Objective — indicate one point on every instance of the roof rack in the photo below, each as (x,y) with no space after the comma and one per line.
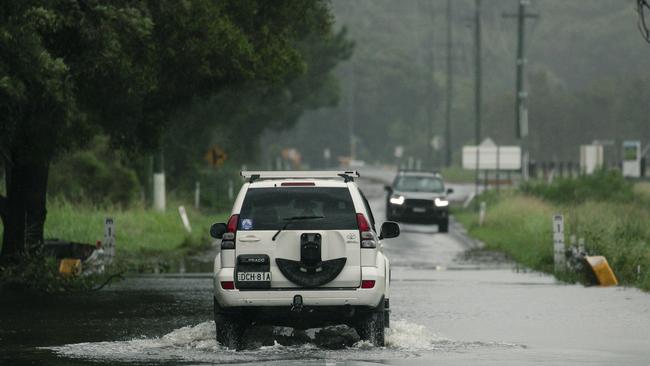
(348,176)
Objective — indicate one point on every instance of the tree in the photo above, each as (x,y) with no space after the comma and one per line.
(237,116)
(51,90)
(71,69)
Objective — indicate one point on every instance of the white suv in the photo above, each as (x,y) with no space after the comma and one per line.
(301,250)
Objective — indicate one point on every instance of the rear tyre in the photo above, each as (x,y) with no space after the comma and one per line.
(230,332)
(443,226)
(371,328)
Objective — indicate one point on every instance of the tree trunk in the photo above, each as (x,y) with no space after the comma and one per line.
(25,207)
(35,203)
(13,239)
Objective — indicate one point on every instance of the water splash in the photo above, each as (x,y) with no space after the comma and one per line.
(197,344)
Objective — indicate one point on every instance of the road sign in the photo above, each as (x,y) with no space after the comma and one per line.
(632,159)
(215,156)
(491,156)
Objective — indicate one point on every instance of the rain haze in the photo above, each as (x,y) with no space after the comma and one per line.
(325,182)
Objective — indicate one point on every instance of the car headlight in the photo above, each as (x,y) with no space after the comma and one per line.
(396,199)
(440,202)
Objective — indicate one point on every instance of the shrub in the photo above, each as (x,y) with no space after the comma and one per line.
(96,176)
(603,185)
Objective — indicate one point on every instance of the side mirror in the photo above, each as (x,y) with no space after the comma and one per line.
(450,190)
(389,229)
(217,230)
(388,188)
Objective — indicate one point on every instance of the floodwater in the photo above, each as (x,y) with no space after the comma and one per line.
(448,307)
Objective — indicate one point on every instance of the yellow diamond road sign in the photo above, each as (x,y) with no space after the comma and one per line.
(215,156)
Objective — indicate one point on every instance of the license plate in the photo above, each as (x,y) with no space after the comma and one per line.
(254,276)
(419,209)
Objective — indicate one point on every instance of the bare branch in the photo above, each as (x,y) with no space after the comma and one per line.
(641,7)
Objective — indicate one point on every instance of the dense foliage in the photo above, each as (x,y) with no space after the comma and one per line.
(70,70)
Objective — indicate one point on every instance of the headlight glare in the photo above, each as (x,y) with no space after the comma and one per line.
(397,199)
(441,202)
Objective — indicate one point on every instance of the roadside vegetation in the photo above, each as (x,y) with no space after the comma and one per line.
(144,238)
(610,213)
(146,241)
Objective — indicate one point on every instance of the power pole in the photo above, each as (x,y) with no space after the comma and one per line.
(430,94)
(449,85)
(351,113)
(521,105)
(477,88)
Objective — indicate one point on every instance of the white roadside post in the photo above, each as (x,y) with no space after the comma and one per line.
(159,192)
(558,243)
(184,218)
(109,240)
(481,214)
(197,195)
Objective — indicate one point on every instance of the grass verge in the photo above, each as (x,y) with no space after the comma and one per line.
(145,239)
(520,225)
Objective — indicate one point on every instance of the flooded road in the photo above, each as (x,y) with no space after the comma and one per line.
(447,308)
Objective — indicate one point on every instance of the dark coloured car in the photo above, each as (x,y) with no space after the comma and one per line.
(418,197)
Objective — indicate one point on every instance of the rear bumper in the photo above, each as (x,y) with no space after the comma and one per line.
(406,212)
(308,316)
(283,297)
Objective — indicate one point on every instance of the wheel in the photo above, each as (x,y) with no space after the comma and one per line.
(229,331)
(371,328)
(443,226)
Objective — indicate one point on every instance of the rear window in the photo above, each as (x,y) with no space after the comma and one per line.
(269,209)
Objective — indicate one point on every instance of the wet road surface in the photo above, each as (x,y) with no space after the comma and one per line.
(447,308)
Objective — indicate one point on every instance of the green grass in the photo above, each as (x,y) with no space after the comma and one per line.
(520,225)
(137,229)
(142,235)
(457,174)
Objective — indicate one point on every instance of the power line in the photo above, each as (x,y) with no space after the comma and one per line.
(477,87)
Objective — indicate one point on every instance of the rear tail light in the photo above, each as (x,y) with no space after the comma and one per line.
(228,240)
(367,237)
(230,285)
(366,283)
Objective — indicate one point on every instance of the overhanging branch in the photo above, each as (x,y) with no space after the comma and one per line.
(642,8)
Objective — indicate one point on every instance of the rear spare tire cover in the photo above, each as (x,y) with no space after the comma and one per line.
(315,276)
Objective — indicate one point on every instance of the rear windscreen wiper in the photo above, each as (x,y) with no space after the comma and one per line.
(292,219)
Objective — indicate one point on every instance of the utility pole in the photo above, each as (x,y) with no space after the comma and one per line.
(477,88)
(449,85)
(430,94)
(521,105)
(351,113)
